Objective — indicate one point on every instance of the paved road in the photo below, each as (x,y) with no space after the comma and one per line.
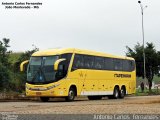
(129,105)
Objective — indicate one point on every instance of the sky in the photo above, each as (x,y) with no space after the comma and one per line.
(100,25)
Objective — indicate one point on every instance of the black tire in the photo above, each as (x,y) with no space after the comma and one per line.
(122,92)
(44,99)
(116,93)
(94,97)
(71,95)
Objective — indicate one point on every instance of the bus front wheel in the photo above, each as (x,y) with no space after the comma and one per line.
(44,99)
(71,95)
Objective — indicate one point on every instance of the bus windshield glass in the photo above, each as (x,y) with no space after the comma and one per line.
(41,69)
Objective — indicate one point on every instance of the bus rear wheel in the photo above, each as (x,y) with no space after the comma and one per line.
(44,99)
(94,97)
(122,92)
(116,93)
(71,95)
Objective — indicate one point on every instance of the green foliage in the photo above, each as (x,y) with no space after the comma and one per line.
(156,79)
(13,57)
(24,56)
(11,79)
(152,58)
(4,64)
(146,92)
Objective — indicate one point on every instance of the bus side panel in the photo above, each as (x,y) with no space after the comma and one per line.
(106,81)
(91,83)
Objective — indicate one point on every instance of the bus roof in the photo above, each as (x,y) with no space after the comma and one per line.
(59,51)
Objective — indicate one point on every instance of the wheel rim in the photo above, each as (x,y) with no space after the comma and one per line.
(116,94)
(71,94)
(122,92)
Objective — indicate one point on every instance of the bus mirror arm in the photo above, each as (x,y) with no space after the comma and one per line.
(56,64)
(22,65)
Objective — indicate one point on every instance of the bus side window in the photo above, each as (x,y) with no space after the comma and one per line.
(88,61)
(109,64)
(99,63)
(131,65)
(118,64)
(128,65)
(78,62)
(67,56)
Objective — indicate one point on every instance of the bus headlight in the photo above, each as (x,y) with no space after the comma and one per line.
(53,86)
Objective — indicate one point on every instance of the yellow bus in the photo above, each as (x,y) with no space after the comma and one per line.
(74,72)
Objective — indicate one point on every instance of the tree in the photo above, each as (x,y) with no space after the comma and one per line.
(152,58)
(4,64)
(10,76)
(21,76)
(24,56)
(158,71)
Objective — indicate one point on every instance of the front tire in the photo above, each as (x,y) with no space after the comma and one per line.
(71,95)
(44,99)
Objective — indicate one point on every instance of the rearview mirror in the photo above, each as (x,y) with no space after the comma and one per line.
(56,64)
(22,65)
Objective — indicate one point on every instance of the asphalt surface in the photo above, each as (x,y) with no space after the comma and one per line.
(82,108)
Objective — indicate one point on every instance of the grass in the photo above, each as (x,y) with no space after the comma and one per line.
(147,92)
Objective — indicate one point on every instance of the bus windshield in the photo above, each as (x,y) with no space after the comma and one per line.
(41,69)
